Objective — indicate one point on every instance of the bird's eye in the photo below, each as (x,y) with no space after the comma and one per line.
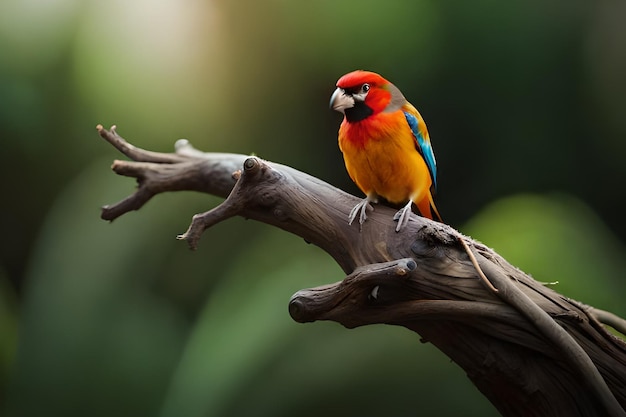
(365,88)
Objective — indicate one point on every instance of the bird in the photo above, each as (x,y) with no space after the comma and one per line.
(386,147)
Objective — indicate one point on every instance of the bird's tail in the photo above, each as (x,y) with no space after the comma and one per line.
(434,211)
(428,209)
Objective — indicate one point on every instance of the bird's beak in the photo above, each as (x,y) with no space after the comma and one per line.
(341,101)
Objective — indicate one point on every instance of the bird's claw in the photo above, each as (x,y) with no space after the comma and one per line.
(360,210)
(402,216)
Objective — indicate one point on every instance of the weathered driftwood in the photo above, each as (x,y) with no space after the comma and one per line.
(528,349)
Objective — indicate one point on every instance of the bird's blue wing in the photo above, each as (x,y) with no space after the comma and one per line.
(423,146)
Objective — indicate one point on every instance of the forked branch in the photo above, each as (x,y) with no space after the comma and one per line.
(530,350)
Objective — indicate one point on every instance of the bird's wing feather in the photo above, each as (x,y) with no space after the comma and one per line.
(423,145)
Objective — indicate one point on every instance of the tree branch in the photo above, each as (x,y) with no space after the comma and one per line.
(609,319)
(530,350)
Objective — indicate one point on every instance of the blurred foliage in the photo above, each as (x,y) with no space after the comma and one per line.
(524,102)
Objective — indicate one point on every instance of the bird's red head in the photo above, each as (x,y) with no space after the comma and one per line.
(359,77)
(361,94)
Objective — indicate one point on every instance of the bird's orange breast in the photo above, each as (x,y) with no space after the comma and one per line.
(381,158)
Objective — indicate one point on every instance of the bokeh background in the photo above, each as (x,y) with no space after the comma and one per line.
(526,105)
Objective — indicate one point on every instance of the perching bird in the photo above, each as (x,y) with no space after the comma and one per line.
(385,146)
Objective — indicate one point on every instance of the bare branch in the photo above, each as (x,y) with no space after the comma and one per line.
(556,334)
(157,173)
(133,152)
(528,349)
(609,319)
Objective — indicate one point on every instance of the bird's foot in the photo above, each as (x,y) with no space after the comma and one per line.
(402,216)
(360,210)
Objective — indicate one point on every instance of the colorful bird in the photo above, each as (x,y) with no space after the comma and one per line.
(385,146)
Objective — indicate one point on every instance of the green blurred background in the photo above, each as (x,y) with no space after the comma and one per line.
(525,102)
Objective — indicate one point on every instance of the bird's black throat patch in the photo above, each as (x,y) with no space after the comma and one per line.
(359,112)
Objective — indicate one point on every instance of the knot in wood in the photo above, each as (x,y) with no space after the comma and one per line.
(267,198)
(406,267)
(298,310)
(422,248)
(280,214)
(256,171)
(251,164)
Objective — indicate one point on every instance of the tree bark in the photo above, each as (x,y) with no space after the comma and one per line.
(528,349)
